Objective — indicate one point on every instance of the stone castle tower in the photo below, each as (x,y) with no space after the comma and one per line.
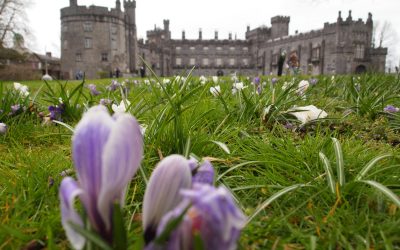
(98,41)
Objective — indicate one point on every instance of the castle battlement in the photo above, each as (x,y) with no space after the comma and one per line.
(91,11)
(280,19)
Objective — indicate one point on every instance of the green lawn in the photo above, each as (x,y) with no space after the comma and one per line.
(269,150)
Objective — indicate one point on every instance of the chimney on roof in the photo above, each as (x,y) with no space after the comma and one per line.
(48,54)
(216,35)
(183,35)
(200,34)
(230,36)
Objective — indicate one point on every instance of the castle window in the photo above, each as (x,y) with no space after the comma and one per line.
(65,44)
(360,51)
(232,48)
(178,61)
(178,48)
(192,61)
(205,61)
(219,48)
(245,61)
(78,57)
(113,43)
(246,48)
(104,57)
(87,26)
(232,62)
(218,62)
(114,29)
(88,43)
(315,53)
(205,48)
(192,48)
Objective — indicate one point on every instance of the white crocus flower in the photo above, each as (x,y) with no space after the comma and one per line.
(203,80)
(215,91)
(166,81)
(286,85)
(302,87)
(215,79)
(3,128)
(22,89)
(307,113)
(121,108)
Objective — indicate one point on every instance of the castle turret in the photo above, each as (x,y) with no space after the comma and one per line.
(340,19)
(280,26)
(349,18)
(73,3)
(216,35)
(118,5)
(183,35)
(130,12)
(369,20)
(200,34)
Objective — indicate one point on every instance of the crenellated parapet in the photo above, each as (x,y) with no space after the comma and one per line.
(91,11)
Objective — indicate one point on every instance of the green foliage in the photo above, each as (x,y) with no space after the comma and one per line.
(299,187)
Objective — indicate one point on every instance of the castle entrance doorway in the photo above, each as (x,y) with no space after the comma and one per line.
(360,69)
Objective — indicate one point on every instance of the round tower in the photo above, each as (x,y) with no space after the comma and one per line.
(130,15)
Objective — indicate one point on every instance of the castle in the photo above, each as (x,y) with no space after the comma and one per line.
(99,41)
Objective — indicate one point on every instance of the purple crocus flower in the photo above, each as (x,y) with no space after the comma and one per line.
(163,191)
(256,80)
(201,172)
(113,85)
(391,109)
(56,112)
(107,152)
(105,102)
(15,108)
(274,81)
(213,216)
(313,81)
(259,89)
(93,90)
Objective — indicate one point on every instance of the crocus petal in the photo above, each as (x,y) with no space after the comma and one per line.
(88,142)
(163,191)
(203,174)
(68,191)
(121,158)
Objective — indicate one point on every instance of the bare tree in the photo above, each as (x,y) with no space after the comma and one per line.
(384,35)
(12,20)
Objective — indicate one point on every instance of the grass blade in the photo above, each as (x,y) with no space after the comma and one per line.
(223,146)
(386,191)
(272,199)
(339,161)
(370,164)
(328,171)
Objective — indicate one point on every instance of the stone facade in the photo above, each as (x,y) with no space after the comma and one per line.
(338,48)
(98,41)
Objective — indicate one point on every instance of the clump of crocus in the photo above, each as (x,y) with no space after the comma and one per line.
(391,109)
(21,89)
(113,85)
(93,89)
(215,91)
(3,128)
(56,112)
(203,80)
(212,216)
(274,80)
(180,187)
(107,152)
(215,79)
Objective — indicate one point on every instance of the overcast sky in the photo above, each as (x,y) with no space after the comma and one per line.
(222,15)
